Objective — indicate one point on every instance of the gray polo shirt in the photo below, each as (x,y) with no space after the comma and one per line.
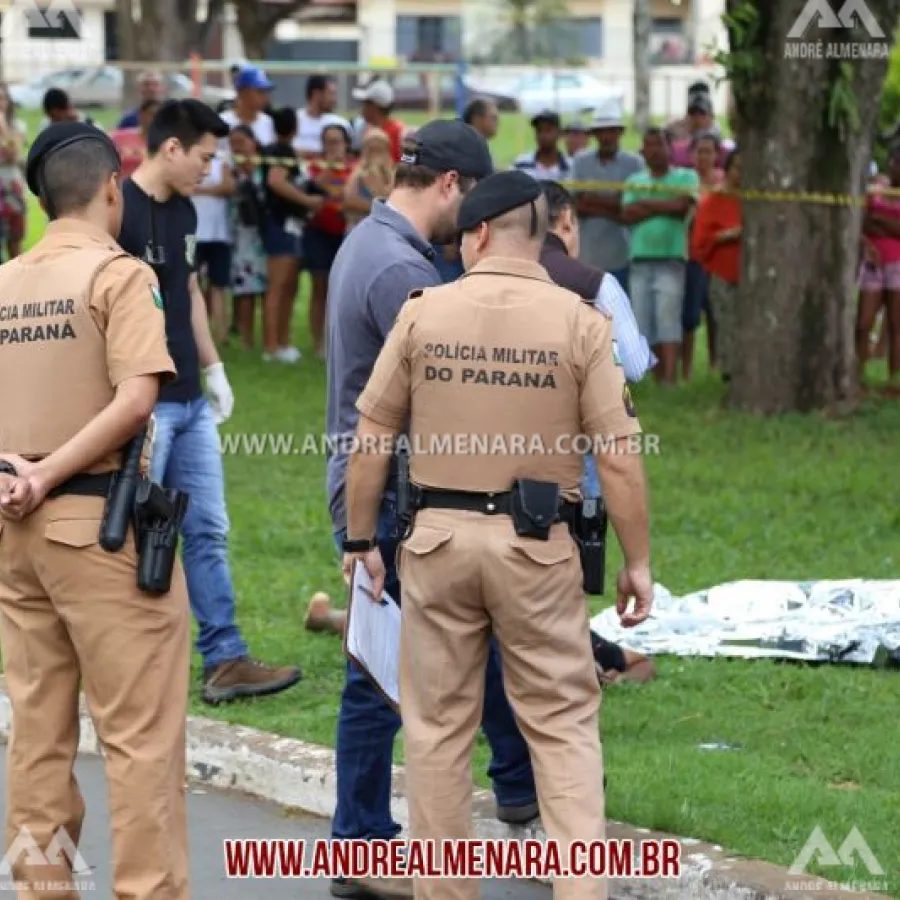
(604,243)
(380,262)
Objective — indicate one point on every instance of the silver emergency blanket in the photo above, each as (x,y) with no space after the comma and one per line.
(818,621)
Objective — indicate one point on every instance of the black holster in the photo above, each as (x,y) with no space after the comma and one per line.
(589,532)
(535,507)
(158,515)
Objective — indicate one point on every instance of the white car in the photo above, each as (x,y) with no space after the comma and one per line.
(568,93)
(102,86)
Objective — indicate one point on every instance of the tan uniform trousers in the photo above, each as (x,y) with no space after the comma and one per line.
(70,613)
(464,574)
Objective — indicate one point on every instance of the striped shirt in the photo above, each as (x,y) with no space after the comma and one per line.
(561,171)
(634,351)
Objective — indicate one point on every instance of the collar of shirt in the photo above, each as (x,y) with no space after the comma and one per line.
(553,243)
(73,232)
(385,214)
(505,265)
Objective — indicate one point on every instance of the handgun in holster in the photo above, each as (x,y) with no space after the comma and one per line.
(589,533)
(158,515)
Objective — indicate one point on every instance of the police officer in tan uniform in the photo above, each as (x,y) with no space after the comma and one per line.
(82,355)
(501,357)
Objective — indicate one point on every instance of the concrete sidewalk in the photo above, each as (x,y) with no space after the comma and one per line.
(301,776)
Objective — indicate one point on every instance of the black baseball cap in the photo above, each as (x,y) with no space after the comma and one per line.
(547,115)
(448,145)
(55,137)
(498,194)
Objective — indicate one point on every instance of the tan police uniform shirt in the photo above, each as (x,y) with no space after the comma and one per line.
(78,316)
(499,373)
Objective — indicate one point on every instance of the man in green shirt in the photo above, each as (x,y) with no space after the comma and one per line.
(659,224)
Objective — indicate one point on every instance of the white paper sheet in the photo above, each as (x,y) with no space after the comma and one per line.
(373,634)
(852,621)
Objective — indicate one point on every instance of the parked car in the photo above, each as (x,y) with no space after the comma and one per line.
(103,86)
(411,92)
(569,93)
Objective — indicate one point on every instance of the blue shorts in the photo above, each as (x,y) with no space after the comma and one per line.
(215,258)
(657,295)
(279,242)
(696,296)
(319,249)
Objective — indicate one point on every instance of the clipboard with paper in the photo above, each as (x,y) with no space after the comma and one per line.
(372,637)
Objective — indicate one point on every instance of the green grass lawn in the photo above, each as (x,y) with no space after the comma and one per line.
(732,498)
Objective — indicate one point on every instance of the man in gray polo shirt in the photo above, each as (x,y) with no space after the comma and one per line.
(388,255)
(604,239)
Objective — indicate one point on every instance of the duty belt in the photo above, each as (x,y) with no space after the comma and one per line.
(498,504)
(85,486)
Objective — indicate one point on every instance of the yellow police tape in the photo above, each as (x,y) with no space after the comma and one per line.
(749,194)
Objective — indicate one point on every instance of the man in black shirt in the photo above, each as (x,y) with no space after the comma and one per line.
(160,226)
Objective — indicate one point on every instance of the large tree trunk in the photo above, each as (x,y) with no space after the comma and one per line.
(643,19)
(797,302)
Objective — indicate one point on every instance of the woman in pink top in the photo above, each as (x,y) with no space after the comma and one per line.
(880,272)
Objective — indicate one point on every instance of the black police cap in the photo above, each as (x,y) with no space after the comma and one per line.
(448,145)
(498,194)
(54,138)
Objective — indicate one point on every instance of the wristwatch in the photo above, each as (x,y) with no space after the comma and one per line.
(359,546)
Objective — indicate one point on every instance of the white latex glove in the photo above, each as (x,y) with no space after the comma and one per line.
(219,393)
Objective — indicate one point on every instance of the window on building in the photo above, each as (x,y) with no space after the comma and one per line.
(575,38)
(111,35)
(429,37)
(670,43)
(50,23)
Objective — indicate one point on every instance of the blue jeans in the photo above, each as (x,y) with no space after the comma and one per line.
(367,727)
(186,457)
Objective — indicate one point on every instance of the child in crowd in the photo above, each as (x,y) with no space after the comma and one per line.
(325,229)
(372,178)
(248,212)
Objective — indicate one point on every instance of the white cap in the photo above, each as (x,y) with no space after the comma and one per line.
(379,92)
(608,113)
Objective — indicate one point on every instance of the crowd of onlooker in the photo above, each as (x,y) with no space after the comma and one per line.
(290,183)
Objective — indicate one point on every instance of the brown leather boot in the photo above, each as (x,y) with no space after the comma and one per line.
(247,678)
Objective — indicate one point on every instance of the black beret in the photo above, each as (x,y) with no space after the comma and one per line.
(55,137)
(497,194)
(448,145)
